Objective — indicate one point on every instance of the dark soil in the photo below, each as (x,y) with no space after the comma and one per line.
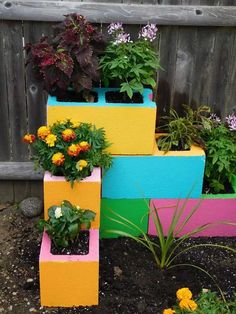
(80,246)
(129,280)
(117,97)
(72,96)
(208,190)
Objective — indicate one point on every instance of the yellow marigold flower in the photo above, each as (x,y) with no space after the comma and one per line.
(84,146)
(75,123)
(168,311)
(43,132)
(81,164)
(29,138)
(58,159)
(73,150)
(188,305)
(68,135)
(50,140)
(184,293)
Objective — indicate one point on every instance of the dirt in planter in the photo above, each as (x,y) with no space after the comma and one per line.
(207,189)
(117,97)
(79,247)
(72,96)
(130,282)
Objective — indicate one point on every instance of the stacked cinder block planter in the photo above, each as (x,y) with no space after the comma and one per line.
(142,178)
(69,280)
(86,193)
(129,127)
(213,209)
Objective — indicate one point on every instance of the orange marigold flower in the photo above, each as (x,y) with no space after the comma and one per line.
(68,135)
(84,146)
(73,150)
(184,293)
(43,132)
(29,138)
(188,305)
(168,311)
(58,159)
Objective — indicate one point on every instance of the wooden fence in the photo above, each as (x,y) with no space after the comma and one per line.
(196,44)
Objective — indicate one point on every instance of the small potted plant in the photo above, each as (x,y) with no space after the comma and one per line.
(71,151)
(69,257)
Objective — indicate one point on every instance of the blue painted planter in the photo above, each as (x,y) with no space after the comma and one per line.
(170,175)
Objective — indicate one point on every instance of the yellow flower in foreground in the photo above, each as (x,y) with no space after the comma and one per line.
(84,146)
(184,293)
(50,140)
(58,159)
(75,124)
(188,305)
(81,164)
(29,138)
(168,311)
(43,132)
(68,135)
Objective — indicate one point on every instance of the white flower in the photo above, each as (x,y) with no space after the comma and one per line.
(58,212)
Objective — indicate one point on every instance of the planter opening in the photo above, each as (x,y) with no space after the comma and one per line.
(72,96)
(117,97)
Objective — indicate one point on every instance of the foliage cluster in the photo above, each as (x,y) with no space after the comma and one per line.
(220,157)
(70,149)
(71,59)
(133,64)
(182,132)
(65,222)
(206,303)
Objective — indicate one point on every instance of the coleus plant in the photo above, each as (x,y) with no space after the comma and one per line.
(71,58)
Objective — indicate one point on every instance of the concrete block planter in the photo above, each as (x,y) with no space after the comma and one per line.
(69,280)
(129,127)
(86,193)
(170,175)
(134,210)
(213,208)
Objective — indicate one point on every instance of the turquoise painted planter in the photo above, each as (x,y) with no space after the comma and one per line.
(160,175)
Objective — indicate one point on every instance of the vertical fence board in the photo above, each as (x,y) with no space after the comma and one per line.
(14,62)
(5,149)
(36,97)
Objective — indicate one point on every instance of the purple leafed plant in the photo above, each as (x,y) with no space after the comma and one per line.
(71,58)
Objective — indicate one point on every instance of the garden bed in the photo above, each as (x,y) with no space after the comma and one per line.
(129,280)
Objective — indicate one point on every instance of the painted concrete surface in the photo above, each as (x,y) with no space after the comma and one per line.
(86,193)
(69,280)
(130,128)
(209,211)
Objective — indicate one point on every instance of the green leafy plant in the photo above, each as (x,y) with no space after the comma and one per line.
(166,249)
(206,303)
(71,58)
(220,158)
(65,222)
(69,148)
(132,64)
(182,132)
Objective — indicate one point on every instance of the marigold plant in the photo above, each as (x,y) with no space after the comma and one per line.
(70,149)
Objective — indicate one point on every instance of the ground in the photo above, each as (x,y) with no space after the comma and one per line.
(129,280)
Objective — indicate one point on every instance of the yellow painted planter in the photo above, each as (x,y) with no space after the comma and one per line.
(129,128)
(69,280)
(86,193)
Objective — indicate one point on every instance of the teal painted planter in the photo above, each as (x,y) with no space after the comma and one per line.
(170,175)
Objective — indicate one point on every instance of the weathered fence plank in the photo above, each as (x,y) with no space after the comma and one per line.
(19,171)
(127,13)
(14,76)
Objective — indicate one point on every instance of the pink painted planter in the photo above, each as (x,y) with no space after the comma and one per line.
(209,211)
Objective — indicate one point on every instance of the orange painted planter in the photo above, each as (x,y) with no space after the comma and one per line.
(69,280)
(86,193)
